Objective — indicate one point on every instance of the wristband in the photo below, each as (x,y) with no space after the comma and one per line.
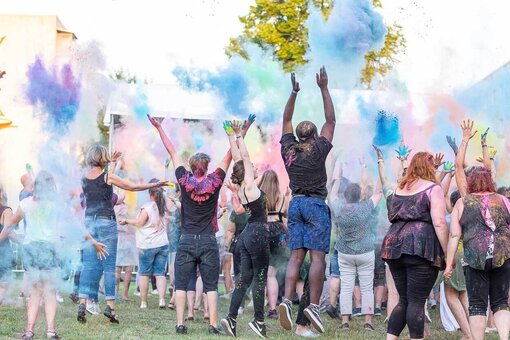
(380,161)
(484,145)
(294,91)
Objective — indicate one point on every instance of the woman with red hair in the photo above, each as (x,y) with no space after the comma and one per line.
(481,217)
(415,243)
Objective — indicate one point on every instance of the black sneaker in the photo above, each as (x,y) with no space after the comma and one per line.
(181,329)
(109,312)
(285,314)
(214,330)
(82,313)
(272,314)
(74,297)
(258,328)
(312,314)
(332,312)
(377,311)
(229,326)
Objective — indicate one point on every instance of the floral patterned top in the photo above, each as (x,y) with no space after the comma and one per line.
(411,231)
(485,224)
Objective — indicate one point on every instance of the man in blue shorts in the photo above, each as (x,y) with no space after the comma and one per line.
(309,222)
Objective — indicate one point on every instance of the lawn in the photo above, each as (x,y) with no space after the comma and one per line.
(153,323)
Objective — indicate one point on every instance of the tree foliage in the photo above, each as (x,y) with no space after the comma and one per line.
(278,26)
(381,62)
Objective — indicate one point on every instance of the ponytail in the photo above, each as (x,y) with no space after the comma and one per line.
(159,197)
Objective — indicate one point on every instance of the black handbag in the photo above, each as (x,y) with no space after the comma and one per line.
(232,246)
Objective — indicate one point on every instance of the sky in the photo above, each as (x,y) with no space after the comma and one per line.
(450,44)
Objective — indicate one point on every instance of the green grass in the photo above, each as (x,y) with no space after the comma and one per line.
(153,323)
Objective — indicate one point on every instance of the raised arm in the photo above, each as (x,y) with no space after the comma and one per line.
(364,174)
(249,175)
(446,187)
(376,197)
(403,152)
(328,129)
(467,134)
(139,222)
(130,186)
(382,171)
(238,207)
(174,155)
(234,149)
(225,163)
(485,150)
(289,107)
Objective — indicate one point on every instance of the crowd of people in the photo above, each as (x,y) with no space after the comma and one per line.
(278,242)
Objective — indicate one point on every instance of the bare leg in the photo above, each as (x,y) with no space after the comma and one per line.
(50,306)
(392,292)
(292,275)
(118,271)
(334,290)
(379,294)
(33,305)
(206,305)
(477,325)
(227,273)
(300,285)
(502,321)
(272,287)
(161,286)
(190,296)
(458,311)
(144,286)
(127,281)
(212,303)
(199,290)
(180,304)
(316,275)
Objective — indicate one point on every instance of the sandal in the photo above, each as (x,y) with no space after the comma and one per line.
(52,335)
(190,318)
(109,312)
(27,335)
(171,306)
(345,326)
(82,313)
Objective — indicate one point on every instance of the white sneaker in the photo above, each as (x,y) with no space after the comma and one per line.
(93,308)
(240,311)
(136,293)
(427,316)
(155,292)
(162,304)
(143,305)
(59,297)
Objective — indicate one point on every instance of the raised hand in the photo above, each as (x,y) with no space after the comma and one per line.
(231,186)
(167,163)
(154,122)
(449,167)
(249,122)
(483,137)
(236,126)
(378,152)
(403,151)
(322,78)
(116,155)
(438,160)
(227,126)
(295,85)
(467,130)
(492,152)
(453,144)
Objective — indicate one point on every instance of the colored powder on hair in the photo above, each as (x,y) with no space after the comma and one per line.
(57,91)
(386,129)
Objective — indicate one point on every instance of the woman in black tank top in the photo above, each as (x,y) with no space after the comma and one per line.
(253,241)
(97,185)
(277,206)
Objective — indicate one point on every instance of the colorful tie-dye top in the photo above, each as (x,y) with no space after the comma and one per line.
(485,224)
(411,231)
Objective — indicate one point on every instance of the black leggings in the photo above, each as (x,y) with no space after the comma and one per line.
(254,248)
(414,278)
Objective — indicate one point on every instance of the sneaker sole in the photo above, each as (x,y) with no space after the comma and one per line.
(284,317)
(317,324)
(253,328)
(226,328)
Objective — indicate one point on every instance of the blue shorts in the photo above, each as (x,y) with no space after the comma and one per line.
(153,261)
(309,224)
(334,268)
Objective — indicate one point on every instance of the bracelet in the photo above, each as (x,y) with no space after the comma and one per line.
(294,91)
(380,161)
(484,145)
(237,137)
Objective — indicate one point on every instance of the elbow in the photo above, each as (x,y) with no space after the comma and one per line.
(439,222)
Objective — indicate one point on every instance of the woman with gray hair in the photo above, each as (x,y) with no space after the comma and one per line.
(97,185)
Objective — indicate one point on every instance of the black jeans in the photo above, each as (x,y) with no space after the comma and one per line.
(490,282)
(254,248)
(414,278)
(201,251)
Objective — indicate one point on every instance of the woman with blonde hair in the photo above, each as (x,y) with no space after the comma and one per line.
(100,221)
(277,207)
(415,243)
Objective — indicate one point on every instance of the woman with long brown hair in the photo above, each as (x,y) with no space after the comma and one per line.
(482,218)
(277,207)
(415,243)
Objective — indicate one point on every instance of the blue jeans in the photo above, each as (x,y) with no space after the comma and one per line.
(104,231)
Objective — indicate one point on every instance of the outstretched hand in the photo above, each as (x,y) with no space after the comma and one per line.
(236,126)
(295,85)
(116,155)
(248,123)
(438,160)
(227,126)
(154,122)
(100,248)
(449,167)
(453,144)
(403,151)
(467,130)
(322,78)
(231,186)
(378,152)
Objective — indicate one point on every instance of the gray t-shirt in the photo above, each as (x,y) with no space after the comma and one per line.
(356,226)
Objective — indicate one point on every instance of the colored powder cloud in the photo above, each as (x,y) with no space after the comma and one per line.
(56,90)
(387,130)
